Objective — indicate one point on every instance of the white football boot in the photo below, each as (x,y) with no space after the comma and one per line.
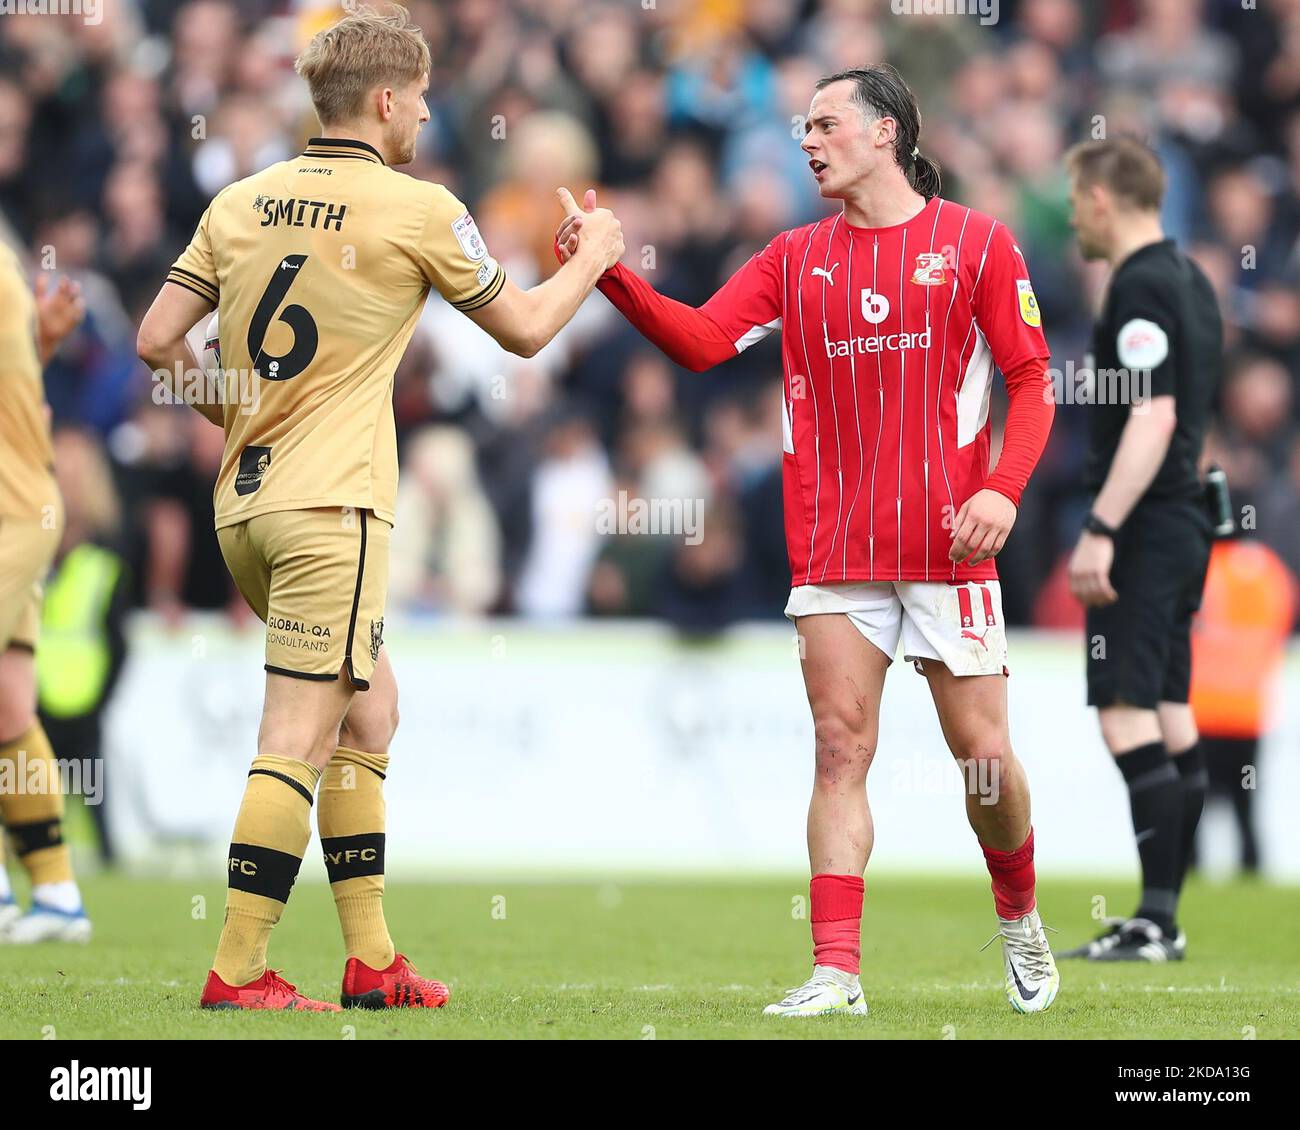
(45,924)
(828,990)
(9,914)
(1032,979)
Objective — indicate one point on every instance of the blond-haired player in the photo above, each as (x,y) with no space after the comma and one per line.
(31,514)
(320,266)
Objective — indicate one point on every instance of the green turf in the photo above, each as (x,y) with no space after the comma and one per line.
(665,960)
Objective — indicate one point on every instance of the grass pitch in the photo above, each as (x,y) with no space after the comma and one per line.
(667,960)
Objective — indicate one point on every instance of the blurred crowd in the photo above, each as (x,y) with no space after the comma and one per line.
(684,115)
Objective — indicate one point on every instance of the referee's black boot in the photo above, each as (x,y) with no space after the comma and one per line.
(1140,939)
(1101,943)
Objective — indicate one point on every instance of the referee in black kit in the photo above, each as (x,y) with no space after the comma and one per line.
(1141,559)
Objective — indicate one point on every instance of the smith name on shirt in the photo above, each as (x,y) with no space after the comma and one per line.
(292,213)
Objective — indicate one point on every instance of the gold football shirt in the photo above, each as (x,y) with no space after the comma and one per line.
(26,478)
(320,267)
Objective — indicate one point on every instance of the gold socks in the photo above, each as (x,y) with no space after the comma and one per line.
(351,823)
(31,804)
(271,834)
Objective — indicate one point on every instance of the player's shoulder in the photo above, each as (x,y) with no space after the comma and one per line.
(973,227)
(802,232)
(429,202)
(437,198)
(794,241)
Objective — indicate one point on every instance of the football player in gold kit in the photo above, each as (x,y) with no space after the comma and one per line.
(31,514)
(319,267)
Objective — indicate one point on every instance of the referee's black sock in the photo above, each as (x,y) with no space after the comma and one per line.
(1195,781)
(1155,794)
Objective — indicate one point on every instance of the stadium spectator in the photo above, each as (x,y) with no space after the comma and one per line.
(1252,439)
(568,487)
(448,559)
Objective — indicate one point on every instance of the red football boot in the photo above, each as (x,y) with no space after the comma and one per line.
(398,986)
(269,991)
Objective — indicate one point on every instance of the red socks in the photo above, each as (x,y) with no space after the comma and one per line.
(837,904)
(837,920)
(1013,878)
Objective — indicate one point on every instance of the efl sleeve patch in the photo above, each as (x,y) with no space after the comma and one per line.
(1029,313)
(1141,344)
(467,235)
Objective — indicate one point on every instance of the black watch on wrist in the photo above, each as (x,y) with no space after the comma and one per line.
(1095,525)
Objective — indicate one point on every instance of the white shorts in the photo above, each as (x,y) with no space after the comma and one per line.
(958,624)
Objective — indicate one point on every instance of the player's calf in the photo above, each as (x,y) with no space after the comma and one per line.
(271,834)
(351,820)
(973,714)
(840,832)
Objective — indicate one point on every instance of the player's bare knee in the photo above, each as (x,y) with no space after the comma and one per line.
(980,746)
(301,746)
(370,725)
(15,720)
(296,738)
(369,735)
(844,747)
(17,693)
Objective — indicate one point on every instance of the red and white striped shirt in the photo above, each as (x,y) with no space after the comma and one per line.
(890,338)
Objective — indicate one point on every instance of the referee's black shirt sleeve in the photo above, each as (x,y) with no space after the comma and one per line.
(1145,321)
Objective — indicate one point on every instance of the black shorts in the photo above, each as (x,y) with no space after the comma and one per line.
(1140,648)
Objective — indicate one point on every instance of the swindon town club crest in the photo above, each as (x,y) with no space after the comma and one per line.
(929,269)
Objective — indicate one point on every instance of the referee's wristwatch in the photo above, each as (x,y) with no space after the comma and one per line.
(1095,525)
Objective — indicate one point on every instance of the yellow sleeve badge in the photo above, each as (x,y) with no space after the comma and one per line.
(1028,304)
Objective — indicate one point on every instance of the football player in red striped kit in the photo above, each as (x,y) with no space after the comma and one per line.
(894,312)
